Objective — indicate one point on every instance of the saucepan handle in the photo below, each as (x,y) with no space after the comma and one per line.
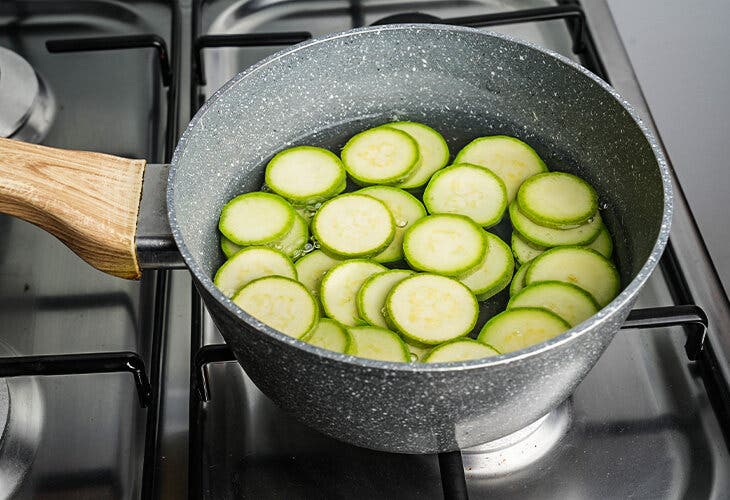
(90,201)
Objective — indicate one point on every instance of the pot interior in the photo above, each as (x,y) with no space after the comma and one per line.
(464,83)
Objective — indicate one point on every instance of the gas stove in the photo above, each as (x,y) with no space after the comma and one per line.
(118,389)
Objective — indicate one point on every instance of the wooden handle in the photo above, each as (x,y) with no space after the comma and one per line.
(90,201)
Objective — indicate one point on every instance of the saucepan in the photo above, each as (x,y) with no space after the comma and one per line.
(463,82)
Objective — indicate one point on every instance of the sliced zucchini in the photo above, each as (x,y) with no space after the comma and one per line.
(495,271)
(579,266)
(330,335)
(305,174)
(524,250)
(353,225)
(446,244)
(250,264)
(518,280)
(603,243)
(380,155)
(467,190)
(510,158)
(371,296)
(405,209)
(256,218)
(568,301)
(433,150)
(294,241)
(338,291)
(312,267)
(459,350)
(558,200)
(373,342)
(430,309)
(519,328)
(550,237)
(229,248)
(281,303)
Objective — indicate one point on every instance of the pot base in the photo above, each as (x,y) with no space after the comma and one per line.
(519,449)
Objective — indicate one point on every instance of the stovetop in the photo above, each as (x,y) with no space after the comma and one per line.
(647,422)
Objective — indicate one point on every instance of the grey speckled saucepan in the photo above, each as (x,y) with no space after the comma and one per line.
(465,83)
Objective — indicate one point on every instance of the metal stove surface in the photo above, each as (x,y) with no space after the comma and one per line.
(50,301)
(639,426)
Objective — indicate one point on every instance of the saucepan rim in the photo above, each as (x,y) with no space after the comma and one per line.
(603,316)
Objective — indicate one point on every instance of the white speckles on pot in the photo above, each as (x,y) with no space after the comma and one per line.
(466,83)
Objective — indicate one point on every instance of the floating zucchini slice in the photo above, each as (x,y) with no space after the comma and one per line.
(294,241)
(430,309)
(579,266)
(558,200)
(373,342)
(433,150)
(381,155)
(518,280)
(250,264)
(519,328)
(229,248)
(523,250)
(446,244)
(570,302)
(256,219)
(305,174)
(469,190)
(511,159)
(338,291)
(405,209)
(603,243)
(353,225)
(281,303)
(459,350)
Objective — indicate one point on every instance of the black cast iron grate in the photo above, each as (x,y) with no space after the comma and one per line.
(684,314)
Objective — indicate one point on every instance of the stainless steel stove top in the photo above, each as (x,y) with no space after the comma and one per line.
(641,425)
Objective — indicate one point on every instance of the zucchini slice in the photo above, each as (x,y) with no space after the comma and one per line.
(603,243)
(371,296)
(353,225)
(519,328)
(229,248)
(281,303)
(459,350)
(430,309)
(524,250)
(550,237)
(305,174)
(446,244)
(495,271)
(433,150)
(250,264)
(469,190)
(518,280)
(330,335)
(510,158)
(373,342)
(294,241)
(558,200)
(568,301)
(338,291)
(256,218)
(312,267)
(579,266)
(380,155)
(405,209)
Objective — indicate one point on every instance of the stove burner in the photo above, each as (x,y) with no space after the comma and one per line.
(21,418)
(519,449)
(408,17)
(26,104)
